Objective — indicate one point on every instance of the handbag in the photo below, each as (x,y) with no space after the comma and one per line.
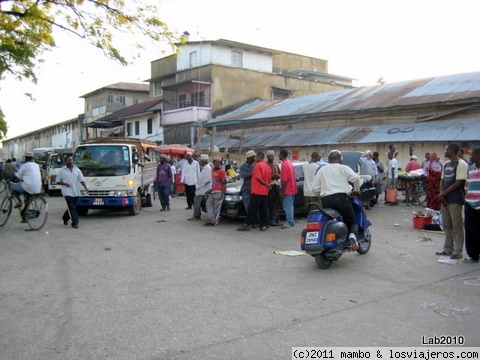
(392,195)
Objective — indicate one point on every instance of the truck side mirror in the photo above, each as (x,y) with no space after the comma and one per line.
(135,158)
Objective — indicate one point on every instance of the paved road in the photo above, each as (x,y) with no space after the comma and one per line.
(156,286)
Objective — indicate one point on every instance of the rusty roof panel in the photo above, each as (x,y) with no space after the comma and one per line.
(466,129)
(406,93)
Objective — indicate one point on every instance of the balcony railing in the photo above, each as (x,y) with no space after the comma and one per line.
(186,115)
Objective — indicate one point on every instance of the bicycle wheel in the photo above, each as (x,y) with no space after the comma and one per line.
(3,186)
(422,194)
(413,194)
(36,212)
(5,210)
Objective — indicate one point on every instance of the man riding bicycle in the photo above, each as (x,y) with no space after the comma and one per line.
(30,181)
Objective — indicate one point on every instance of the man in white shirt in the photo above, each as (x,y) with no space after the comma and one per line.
(204,183)
(69,177)
(332,183)
(309,171)
(368,165)
(190,175)
(392,175)
(31,179)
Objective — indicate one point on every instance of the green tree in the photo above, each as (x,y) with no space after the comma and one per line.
(3,125)
(26,29)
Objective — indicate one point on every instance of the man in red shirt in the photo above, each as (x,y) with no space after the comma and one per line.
(413,164)
(261,178)
(289,188)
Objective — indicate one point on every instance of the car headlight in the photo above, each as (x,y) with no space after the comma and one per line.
(233,197)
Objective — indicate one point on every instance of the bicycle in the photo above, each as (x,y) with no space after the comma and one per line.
(34,213)
(418,193)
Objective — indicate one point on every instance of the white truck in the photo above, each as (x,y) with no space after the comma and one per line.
(119,173)
(55,161)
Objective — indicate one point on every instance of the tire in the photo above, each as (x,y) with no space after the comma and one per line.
(422,194)
(364,246)
(37,212)
(137,205)
(322,261)
(149,202)
(81,210)
(3,186)
(5,210)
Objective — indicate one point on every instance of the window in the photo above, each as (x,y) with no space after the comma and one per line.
(279,94)
(157,88)
(137,127)
(193,59)
(129,129)
(116,99)
(198,99)
(182,101)
(237,59)
(149,126)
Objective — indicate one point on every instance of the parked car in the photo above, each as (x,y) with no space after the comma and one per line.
(233,204)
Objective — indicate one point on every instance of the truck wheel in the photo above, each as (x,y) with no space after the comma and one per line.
(322,261)
(82,211)
(149,200)
(364,245)
(137,205)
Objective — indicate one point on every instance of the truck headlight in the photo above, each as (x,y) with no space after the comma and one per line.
(121,193)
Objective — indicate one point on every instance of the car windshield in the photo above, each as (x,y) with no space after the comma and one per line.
(103,160)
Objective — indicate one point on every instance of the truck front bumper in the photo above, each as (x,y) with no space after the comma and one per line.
(105,202)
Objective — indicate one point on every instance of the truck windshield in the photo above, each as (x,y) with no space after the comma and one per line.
(57,161)
(103,160)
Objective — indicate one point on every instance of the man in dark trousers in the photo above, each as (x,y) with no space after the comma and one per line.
(452,198)
(332,182)
(472,209)
(69,177)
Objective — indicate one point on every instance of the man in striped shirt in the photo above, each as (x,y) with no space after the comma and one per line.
(472,209)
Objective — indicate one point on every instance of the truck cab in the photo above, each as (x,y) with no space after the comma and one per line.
(55,161)
(119,173)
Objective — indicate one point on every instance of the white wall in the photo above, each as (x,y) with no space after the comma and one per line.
(157,130)
(208,53)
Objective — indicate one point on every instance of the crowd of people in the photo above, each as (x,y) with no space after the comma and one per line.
(453,189)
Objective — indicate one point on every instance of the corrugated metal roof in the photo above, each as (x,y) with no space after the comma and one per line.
(466,129)
(122,86)
(114,118)
(406,93)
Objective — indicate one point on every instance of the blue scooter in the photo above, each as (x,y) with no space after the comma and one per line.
(325,236)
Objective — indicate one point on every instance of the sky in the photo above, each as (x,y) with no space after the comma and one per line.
(364,40)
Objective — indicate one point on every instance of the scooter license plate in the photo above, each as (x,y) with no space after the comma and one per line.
(312,237)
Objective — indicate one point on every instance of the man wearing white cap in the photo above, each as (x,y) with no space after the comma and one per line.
(274,193)
(31,180)
(368,165)
(204,183)
(246,171)
(413,164)
(190,174)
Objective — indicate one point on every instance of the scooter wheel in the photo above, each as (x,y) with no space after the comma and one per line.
(364,246)
(322,261)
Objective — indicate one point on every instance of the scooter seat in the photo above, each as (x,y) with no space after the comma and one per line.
(331,212)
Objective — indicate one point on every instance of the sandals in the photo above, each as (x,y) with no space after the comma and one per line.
(440,253)
(18,205)
(263,228)
(244,228)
